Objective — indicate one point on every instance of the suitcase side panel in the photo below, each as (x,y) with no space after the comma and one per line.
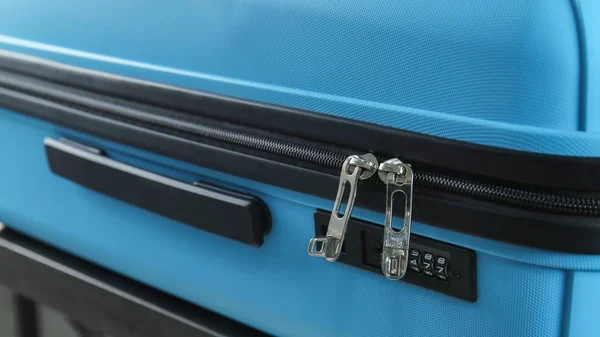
(397,67)
(584,304)
(589,12)
(519,298)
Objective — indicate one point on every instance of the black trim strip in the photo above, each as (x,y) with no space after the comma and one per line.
(27,317)
(576,173)
(103,300)
(576,234)
(563,233)
(238,216)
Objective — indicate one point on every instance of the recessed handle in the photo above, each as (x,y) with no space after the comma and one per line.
(232,214)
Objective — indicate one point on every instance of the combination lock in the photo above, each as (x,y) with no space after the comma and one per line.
(432,264)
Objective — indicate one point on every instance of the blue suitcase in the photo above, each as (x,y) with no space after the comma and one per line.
(193,150)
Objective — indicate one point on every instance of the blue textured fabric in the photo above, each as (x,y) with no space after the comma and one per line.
(277,288)
(502,73)
(590,10)
(584,307)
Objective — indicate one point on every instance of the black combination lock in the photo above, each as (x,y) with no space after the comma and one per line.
(432,264)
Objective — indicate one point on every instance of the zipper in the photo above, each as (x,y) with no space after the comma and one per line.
(398,177)
(520,198)
(329,157)
(332,157)
(355,168)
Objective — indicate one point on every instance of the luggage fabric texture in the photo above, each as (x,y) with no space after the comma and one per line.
(501,73)
(278,288)
(513,74)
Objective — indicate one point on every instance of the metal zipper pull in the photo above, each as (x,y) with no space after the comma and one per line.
(354,168)
(398,177)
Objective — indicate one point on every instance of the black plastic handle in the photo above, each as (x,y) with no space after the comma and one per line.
(235,215)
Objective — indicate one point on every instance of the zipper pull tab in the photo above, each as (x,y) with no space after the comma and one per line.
(354,168)
(398,177)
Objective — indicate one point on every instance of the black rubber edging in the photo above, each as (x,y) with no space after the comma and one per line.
(574,234)
(554,171)
(103,300)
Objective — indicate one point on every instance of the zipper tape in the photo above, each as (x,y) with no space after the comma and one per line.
(328,157)
(577,173)
(438,198)
(578,234)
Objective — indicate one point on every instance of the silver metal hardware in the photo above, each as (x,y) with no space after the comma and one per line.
(354,168)
(398,177)
(80,146)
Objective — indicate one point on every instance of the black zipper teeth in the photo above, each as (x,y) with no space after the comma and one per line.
(539,201)
(333,157)
(307,153)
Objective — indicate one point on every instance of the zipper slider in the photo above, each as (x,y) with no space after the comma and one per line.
(398,177)
(354,168)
